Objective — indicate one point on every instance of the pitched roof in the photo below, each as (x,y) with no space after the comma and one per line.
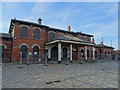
(70,38)
(40,25)
(5,35)
(103,46)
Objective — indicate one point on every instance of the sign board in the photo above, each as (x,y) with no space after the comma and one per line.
(39,59)
(35,53)
(30,53)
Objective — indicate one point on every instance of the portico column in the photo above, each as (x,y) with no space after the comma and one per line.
(71,52)
(49,53)
(93,53)
(59,52)
(85,52)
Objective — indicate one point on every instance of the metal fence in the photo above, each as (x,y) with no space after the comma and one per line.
(23,57)
(35,57)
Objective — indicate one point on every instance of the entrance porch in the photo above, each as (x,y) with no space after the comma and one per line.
(61,50)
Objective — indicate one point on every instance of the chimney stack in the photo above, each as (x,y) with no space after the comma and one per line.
(93,41)
(69,28)
(40,21)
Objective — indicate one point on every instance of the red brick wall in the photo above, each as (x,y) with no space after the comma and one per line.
(7,50)
(30,41)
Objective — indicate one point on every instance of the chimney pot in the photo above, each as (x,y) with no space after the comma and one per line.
(40,21)
(69,28)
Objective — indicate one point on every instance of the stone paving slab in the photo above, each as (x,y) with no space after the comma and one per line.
(74,75)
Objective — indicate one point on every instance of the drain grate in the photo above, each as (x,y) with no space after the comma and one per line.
(57,81)
(49,82)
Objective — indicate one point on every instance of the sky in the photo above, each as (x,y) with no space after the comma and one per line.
(97,18)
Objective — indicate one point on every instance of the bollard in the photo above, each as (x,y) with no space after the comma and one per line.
(20,60)
(27,58)
(66,61)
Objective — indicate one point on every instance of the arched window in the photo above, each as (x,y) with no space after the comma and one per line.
(108,52)
(82,53)
(87,39)
(2,51)
(88,53)
(23,50)
(35,52)
(54,52)
(105,53)
(36,33)
(23,32)
(52,36)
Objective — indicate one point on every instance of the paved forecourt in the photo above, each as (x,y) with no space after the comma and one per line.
(74,75)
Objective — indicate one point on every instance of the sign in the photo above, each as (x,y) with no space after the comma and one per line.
(35,53)
(30,53)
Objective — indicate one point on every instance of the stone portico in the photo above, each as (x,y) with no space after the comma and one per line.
(65,46)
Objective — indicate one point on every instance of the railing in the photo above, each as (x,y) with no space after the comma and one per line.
(35,57)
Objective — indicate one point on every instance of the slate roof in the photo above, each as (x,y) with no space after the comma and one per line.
(70,38)
(40,25)
(103,46)
(5,35)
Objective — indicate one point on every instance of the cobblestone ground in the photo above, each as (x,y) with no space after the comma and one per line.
(74,75)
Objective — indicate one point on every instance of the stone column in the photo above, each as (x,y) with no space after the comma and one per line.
(70,52)
(93,53)
(59,52)
(49,53)
(85,52)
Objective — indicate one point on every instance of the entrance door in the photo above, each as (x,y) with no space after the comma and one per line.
(54,53)
(64,52)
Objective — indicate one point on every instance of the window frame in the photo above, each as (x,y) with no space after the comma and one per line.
(24,32)
(36,33)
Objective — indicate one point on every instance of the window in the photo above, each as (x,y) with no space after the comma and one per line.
(82,37)
(36,33)
(23,51)
(52,36)
(82,53)
(87,39)
(35,52)
(23,32)
(2,51)
(105,53)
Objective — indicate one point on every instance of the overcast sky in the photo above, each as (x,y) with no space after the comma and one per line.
(97,18)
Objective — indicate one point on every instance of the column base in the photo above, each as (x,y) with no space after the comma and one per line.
(59,62)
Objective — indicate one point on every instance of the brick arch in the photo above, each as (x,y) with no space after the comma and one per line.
(35,45)
(23,44)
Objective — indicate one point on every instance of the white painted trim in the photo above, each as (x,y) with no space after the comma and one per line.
(4,45)
(51,31)
(37,28)
(24,26)
(68,42)
(23,44)
(35,45)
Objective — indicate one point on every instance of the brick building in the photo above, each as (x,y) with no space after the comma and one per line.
(28,40)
